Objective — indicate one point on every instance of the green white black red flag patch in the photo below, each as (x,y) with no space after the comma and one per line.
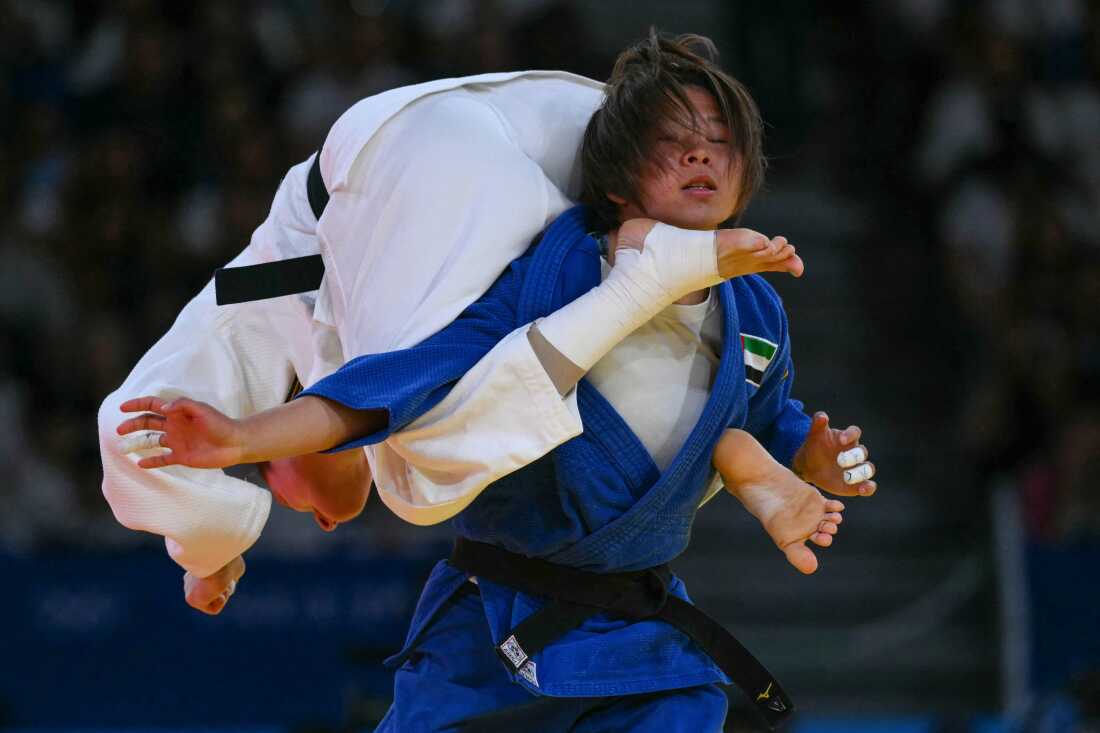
(758,355)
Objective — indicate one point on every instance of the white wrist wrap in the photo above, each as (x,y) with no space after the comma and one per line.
(673,263)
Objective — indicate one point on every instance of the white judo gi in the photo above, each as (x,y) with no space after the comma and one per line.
(434,189)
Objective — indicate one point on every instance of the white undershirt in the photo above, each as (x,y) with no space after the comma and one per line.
(659,377)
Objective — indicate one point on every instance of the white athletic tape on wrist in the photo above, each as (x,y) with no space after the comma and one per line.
(859,474)
(852,457)
(673,263)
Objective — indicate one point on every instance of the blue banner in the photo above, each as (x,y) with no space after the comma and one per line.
(109,641)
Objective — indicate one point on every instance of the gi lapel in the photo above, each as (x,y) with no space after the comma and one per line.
(631,542)
(672,497)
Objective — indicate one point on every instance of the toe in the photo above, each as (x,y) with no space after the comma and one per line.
(802,557)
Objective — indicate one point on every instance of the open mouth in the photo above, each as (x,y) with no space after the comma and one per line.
(700,183)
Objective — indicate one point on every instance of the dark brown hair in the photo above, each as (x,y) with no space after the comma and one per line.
(648,88)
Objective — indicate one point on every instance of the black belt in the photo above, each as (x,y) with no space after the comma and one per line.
(576,595)
(282,277)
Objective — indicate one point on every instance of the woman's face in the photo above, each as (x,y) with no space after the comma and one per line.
(691,180)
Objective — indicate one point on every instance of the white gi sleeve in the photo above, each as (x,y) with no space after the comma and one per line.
(502,415)
(241,359)
(207,518)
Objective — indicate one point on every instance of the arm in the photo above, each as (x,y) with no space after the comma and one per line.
(570,341)
(201,436)
(447,435)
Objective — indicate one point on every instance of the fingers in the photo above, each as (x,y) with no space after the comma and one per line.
(852,457)
(851,435)
(147,441)
(144,441)
(833,518)
(147,421)
(834,506)
(143,404)
(165,459)
(859,474)
(867,488)
(820,422)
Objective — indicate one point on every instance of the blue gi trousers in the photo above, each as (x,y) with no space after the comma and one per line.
(455,682)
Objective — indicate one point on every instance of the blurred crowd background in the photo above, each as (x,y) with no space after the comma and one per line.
(141,143)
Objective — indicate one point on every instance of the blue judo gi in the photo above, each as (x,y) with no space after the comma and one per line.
(597,502)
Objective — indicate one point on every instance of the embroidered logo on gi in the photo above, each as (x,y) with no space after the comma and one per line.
(758,355)
(511,649)
(527,672)
(775,704)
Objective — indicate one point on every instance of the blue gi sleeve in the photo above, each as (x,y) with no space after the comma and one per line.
(775,419)
(407,383)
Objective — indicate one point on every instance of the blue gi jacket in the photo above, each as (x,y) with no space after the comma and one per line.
(598,501)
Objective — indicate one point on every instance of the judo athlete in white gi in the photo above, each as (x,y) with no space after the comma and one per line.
(433,190)
(607,509)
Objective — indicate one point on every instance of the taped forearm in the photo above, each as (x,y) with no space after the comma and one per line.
(673,263)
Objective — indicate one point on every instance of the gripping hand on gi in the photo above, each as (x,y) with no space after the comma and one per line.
(194,433)
(834,460)
(283,440)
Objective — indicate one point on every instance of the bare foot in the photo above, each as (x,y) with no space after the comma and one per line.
(790,510)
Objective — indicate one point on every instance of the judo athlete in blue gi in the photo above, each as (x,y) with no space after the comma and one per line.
(574,622)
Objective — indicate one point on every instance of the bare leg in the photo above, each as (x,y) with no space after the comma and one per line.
(790,510)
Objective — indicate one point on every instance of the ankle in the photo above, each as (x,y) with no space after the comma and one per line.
(743,462)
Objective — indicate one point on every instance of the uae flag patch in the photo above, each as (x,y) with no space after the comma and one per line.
(758,355)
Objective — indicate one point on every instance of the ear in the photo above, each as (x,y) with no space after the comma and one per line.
(616,199)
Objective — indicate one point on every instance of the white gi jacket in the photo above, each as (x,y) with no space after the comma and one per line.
(434,189)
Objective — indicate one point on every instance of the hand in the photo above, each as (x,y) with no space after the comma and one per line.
(210,594)
(746,252)
(740,251)
(196,434)
(829,454)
